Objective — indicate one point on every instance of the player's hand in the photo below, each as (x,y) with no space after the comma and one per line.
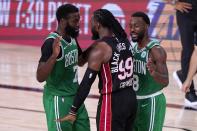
(183,7)
(56,46)
(68,117)
(186,85)
(151,66)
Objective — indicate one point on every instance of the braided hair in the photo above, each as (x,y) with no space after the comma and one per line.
(106,19)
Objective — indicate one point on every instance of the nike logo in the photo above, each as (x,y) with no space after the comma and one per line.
(90,75)
(144,105)
(62,99)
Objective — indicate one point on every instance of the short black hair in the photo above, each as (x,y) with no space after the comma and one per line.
(107,19)
(64,10)
(143,16)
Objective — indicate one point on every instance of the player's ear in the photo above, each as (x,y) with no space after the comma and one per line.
(98,26)
(147,26)
(63,22)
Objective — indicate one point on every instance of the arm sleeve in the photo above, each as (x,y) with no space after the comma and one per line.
(46,50)
(84,89)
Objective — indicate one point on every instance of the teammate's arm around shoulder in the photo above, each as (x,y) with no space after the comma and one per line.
(45,68)
(157,65)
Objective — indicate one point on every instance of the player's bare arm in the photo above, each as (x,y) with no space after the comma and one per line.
(157,65)
(83,57)
(98,55)
(45,68)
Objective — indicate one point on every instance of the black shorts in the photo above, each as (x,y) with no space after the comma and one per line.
(117,111)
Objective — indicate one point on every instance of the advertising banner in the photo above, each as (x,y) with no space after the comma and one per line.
(29,21)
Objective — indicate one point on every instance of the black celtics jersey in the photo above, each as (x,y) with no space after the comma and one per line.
(118,72)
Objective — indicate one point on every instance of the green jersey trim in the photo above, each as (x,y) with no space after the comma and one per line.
(149,96)
(62,57)
(150,45)
(55,35)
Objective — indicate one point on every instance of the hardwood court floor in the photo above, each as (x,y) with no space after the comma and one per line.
(21,97)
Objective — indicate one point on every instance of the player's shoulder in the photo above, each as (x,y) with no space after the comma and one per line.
(52,35)
(153,43)
(158,52)
(101,51)
(50,38)
(101,45)
(48,41)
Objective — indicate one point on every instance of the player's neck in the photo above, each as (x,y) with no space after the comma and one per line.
(144,42)
(64,35)
(105,32)
(62,32)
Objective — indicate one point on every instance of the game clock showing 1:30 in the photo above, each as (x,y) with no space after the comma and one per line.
(30,14)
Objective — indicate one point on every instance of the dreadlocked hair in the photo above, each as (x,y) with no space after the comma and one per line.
(106,19)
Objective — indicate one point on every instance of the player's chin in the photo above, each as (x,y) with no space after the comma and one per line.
(134,39)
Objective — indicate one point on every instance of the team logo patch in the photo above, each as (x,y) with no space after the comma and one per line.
(143,55)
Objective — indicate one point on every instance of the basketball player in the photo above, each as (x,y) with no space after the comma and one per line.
(58,67)
(110,59)
(150,75)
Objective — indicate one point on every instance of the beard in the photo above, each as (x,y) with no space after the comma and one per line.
(73,32)
(138,38)
(95,35)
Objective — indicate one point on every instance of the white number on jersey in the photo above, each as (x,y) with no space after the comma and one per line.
(76,74)
(125,68)
(135,83)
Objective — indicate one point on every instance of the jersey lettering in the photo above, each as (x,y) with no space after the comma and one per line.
(114,62)
(140,67)
(71,57)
